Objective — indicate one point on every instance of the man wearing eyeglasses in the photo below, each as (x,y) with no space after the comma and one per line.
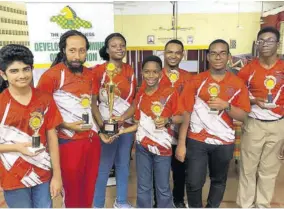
(263,134)
(213,99)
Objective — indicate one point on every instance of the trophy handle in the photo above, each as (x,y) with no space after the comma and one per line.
(111,98)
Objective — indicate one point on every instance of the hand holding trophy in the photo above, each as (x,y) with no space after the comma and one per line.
(110,126)
(213,90)
(35,124)
(270,83)
(173,76)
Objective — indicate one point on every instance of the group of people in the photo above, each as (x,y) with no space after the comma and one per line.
(177,122)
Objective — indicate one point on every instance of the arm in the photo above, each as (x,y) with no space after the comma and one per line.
(237,113)
(9,148)
(95,110)
(75,126)
(181,147)
(258,101)
(178,119)
(56,181)
(124,131)
(129,129)
(129,112)
(18,147)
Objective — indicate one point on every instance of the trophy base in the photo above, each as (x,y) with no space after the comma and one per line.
(110,128)
(213,112)
(269,105)
(85,117)
(36,150)
(86,125)
(35,141)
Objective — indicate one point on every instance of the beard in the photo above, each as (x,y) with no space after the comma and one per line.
(74,66)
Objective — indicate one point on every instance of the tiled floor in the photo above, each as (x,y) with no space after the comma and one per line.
(228,201)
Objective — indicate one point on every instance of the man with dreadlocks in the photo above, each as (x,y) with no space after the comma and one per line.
(72,88)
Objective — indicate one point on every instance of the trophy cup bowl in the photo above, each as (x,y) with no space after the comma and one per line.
(270,83)
(213,90)
(110,126)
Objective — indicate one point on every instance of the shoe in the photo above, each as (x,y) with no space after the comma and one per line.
(125,205)
(179,205)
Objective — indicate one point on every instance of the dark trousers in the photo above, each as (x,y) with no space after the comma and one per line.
(200,155)
(178,169)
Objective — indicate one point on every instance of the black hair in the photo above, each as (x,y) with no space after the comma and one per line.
(11,53)
(153,58)
(103,51)
(269,29)
(217,41)
(62,44)
(15,52)
(175,41)
(3,84)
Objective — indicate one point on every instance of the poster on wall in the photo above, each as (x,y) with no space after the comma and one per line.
(48,21)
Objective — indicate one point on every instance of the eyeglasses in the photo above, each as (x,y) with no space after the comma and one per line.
(269,42)
(221,54)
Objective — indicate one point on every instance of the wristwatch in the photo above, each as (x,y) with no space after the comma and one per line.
(228,109)
(170,121)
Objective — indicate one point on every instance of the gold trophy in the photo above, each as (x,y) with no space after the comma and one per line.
(110,127)
(157,109)
(35,123)
(173,76)
(270,83)
(213,90)
(86,104)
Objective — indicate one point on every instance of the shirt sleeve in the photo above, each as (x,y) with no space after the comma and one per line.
(172,107)
(244,74)
(96,85)
(133,86)
(53,116)
(187,97)
(242,100)
(136,101)
(47,84)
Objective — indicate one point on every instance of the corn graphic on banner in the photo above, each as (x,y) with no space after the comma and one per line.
(48,21)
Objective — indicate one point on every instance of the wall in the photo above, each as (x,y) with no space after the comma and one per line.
(209,22)
(203,27)
(16,27)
